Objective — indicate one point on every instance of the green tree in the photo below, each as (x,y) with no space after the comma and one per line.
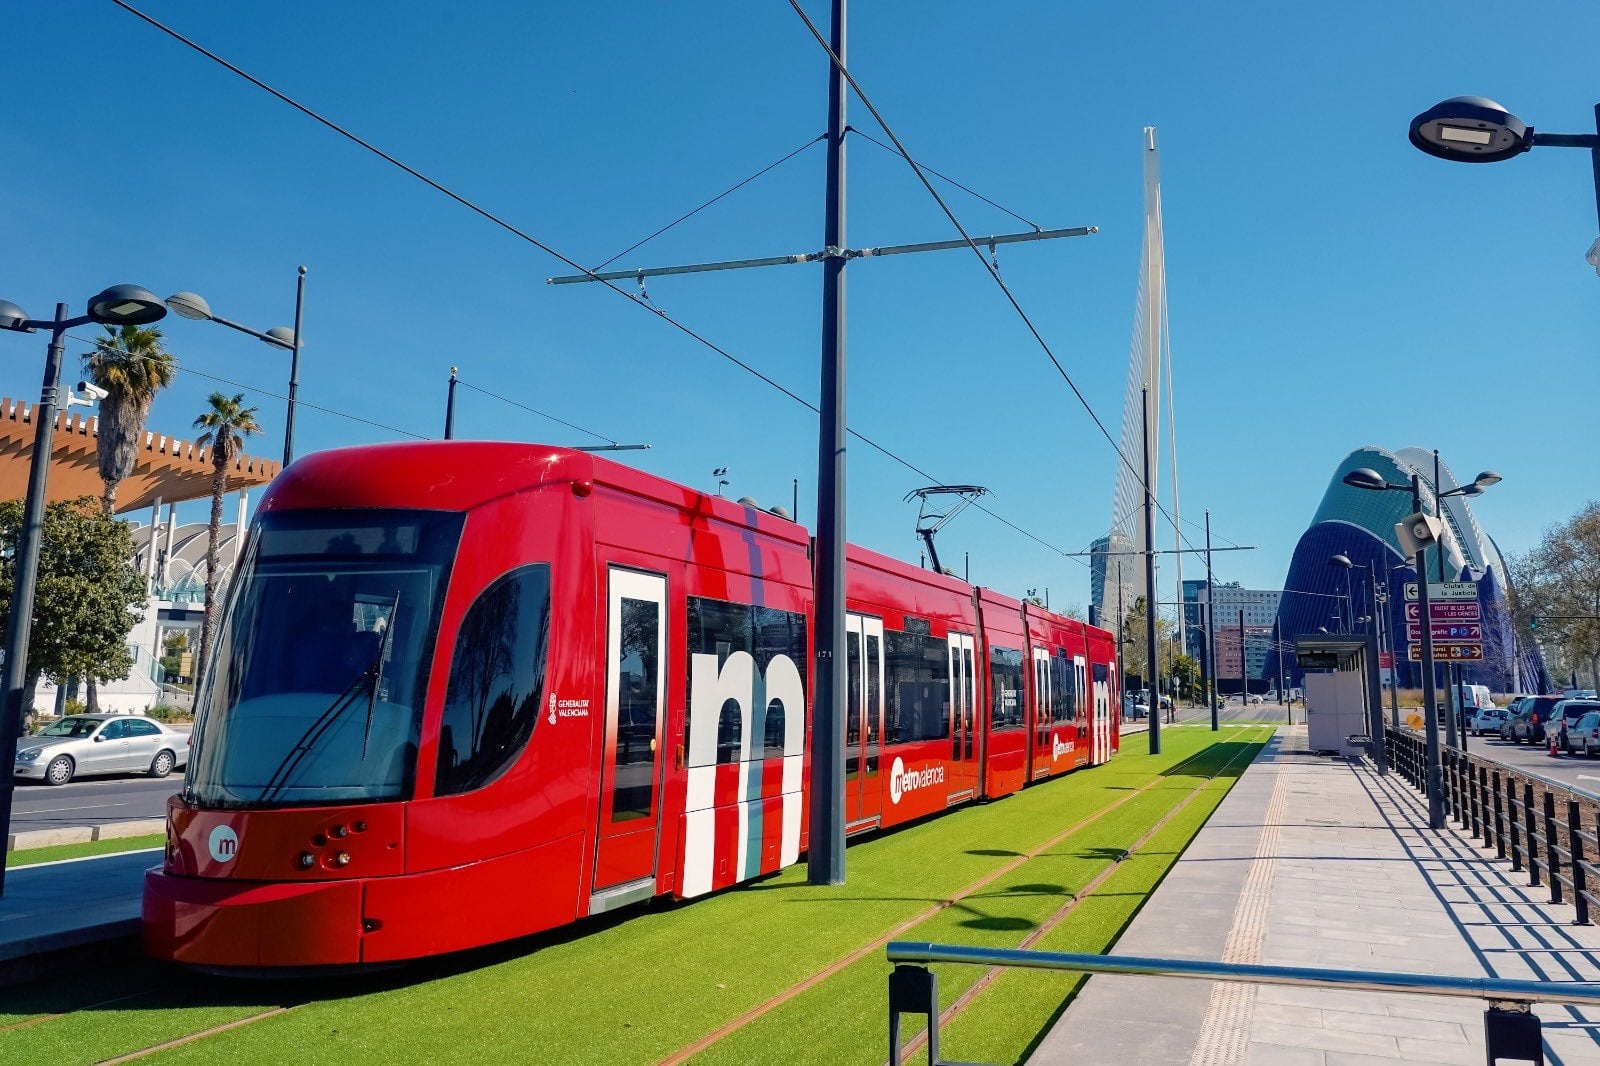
(89,596)
(227,422)
(1558,583)
(132,366)
(173,647)
(1187,671)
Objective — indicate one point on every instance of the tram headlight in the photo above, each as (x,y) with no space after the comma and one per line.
(306,860)
(342,859)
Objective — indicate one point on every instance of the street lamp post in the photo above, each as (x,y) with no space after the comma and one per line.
(193,306)
(1366,478)
(120,305)
(1472,129)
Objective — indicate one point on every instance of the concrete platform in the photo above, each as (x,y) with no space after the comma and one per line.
(68,906)
(1312,861)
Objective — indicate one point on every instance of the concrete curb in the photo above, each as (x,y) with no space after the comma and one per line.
(83,834)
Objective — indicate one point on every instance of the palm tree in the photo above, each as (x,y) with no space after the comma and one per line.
(132,366)
(227,423)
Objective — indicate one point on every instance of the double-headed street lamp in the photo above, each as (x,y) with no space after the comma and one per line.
(193,306)
(1366,478)
(120,305)
(1471,129)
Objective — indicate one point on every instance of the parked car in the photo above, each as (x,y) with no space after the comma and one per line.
(1138,709)
(1488,720)
(83,744)
(1584,735)
(1564,714)
(1528,723)
(1512,710)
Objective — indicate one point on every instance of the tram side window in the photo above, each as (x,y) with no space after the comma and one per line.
(917,667)
(491,704)
(720,629)
(1062,699)
(1102,675)
(1005,681)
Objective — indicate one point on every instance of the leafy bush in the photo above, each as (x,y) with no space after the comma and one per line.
(74,707)
(165,712)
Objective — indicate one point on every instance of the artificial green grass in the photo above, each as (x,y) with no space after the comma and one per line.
(57,852)
(638,989)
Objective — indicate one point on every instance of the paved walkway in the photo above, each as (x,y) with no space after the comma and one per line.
(1312,861)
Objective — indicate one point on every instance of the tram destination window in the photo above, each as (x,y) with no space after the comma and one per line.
(917,669)
(496,680)
(1005,674)
(720,628)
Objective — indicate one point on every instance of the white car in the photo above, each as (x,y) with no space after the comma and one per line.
(1487,721)
(83,744)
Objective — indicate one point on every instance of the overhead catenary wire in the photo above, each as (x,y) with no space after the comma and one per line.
(947,178)
(993,272)
(721,195)
(534,410)
(491,217)
(299,402)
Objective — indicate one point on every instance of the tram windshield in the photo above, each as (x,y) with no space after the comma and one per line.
(316,686)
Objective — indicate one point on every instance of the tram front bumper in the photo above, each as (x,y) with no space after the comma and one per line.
(214,922)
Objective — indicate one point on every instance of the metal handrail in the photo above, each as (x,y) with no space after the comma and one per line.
(1510,818)
(1493,989)
(1510,1028)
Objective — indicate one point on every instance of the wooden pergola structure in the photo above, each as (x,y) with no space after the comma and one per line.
(168,469)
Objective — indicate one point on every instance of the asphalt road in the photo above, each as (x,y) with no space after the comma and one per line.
(91,801)
(1576,770)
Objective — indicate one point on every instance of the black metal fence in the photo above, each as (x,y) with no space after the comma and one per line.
(1544,827)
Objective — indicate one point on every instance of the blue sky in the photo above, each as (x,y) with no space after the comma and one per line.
(1329,286)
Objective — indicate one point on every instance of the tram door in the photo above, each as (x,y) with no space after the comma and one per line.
(1039,750)
(864,722)
(961,704)
(630,771)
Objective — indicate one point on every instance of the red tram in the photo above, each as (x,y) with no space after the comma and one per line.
(464,692)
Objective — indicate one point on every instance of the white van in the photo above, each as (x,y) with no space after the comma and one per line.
(1474,698)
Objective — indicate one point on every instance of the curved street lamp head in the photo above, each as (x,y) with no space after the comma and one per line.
(1365,478)
(190,305)
(126,305)
(1487,478)
(1342,561)
(282,335)
(1470,129)
(11,316)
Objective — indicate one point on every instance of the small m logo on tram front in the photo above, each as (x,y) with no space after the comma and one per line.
(223,844)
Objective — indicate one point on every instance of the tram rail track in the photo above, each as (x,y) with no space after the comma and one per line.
(792,991)
(685,1053)
(973,991)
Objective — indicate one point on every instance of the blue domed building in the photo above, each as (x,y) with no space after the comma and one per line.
(1321,597)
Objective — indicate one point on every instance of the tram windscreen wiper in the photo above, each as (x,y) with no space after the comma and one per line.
(370,673)
(377,677)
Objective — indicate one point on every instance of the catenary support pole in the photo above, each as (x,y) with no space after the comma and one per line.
(1244,669)
(294,370)
(450,407)
(1150,599)
(1211,635)
(825,860)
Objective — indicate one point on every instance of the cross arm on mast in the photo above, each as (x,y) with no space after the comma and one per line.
(826,253)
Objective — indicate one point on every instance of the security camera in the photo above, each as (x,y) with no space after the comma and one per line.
(92,391)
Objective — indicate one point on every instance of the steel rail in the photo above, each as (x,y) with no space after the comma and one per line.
(1495,990)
